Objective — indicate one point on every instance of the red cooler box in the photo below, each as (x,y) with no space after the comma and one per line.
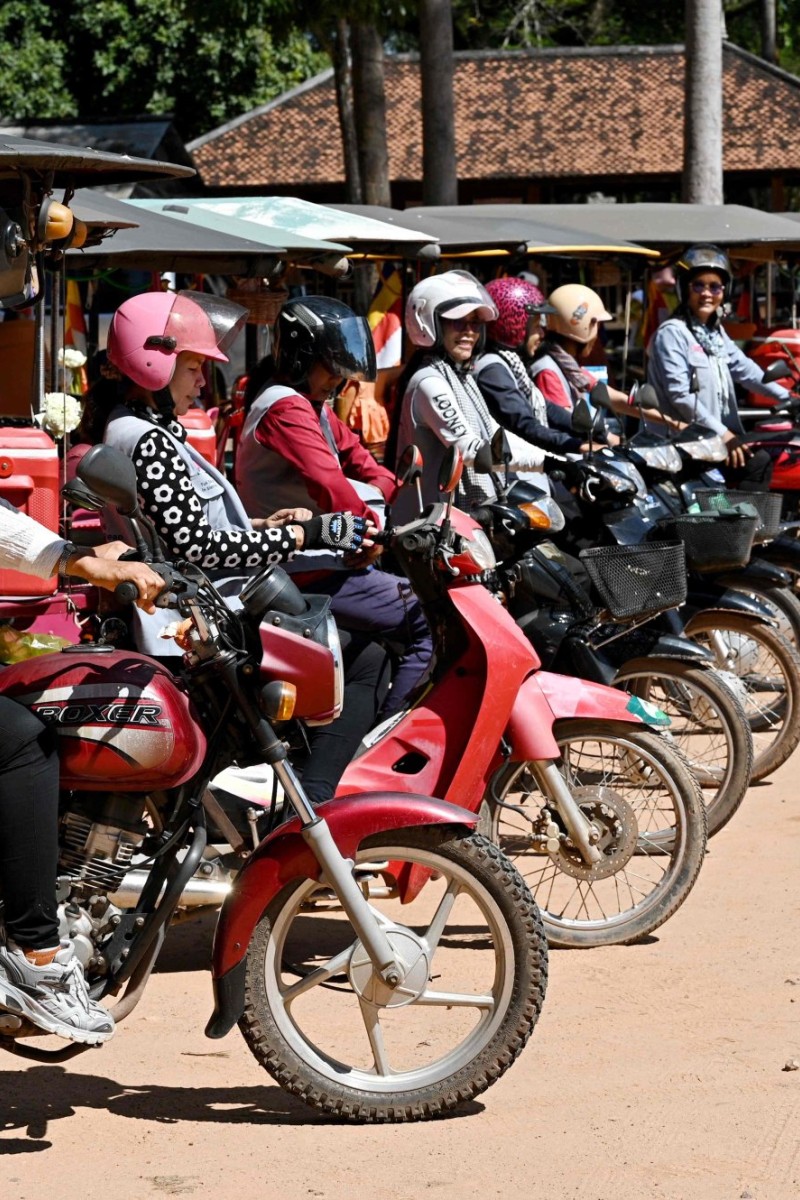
(29,478)
(200,433)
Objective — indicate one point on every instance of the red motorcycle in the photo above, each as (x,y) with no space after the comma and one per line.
(572,779)
(367,1002)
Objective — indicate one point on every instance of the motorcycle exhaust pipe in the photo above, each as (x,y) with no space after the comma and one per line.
(198,893)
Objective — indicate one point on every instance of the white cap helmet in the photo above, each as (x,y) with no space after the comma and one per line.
(452,294)
(578,312)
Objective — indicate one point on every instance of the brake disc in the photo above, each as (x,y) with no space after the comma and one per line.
(617,833)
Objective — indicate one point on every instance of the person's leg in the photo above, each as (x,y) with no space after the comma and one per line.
(41,980)
(383,606)
(28,827)
(333,746)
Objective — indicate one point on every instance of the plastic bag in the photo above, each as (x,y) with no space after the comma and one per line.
(16,647)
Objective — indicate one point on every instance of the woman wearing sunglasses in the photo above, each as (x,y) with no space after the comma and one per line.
(694,366)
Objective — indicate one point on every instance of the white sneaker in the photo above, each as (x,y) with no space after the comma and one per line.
(54,997)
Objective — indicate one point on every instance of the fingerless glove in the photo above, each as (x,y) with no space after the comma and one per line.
(334,531)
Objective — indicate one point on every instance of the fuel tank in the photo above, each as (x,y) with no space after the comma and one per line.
(122,720)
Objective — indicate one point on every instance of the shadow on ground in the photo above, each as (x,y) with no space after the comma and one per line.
(34,1098)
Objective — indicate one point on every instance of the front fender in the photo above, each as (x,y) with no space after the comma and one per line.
(726,601)
(545,698)
(783,551)
(761,572)
(284,856)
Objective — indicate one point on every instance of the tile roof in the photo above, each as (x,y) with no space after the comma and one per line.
(522,115)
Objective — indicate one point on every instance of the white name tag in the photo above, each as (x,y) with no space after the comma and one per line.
(206,487)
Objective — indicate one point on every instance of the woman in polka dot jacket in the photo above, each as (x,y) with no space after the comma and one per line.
(158,343)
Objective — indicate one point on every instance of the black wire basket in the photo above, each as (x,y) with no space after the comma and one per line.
(636,580)
(714,541)
(768,505)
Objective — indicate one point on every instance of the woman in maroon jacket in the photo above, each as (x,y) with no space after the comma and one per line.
(296,453)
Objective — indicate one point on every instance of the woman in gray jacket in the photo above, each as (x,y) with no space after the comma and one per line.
(694,366)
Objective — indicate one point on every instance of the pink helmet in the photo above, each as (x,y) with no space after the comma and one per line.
(149,331)
(516,300)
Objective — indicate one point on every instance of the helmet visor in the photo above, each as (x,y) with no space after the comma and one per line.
(348,349)
(205,324)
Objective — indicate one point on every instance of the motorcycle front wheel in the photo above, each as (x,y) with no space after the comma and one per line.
(650,825)
(708,725)
(331,1032)
(766,671)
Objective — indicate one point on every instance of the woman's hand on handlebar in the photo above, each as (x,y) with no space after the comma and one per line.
(336,531)
(98,565)
(737,454)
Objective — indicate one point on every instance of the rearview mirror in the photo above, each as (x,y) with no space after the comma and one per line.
(409,466)
(601,397)
(110,474)
(79,495)
(450,471)
(646,396)
(777,370)
(582,417)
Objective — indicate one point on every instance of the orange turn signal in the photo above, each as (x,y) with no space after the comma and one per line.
(537,518)
(278,700)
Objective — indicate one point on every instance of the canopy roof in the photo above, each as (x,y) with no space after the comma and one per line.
(195,212)
(68,164)
(361,231)
(465,228)
(748,232)
(149,241)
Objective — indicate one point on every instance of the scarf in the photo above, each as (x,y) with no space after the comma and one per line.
(710,338)
(575,377)
(474,488)
(524,382)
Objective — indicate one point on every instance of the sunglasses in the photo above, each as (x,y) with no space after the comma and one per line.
(462,323)
(698,287)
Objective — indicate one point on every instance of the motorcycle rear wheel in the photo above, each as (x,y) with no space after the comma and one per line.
(655,823)
(709,727)
(317,1022)
(768,669)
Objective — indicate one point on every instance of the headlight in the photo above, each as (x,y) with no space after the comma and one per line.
(708,449)
(335,647)
(661,458)
(631,474)
(480,550)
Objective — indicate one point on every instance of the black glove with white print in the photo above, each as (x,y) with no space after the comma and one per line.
(334,531)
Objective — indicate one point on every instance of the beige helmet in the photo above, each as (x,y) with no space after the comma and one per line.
(578,312)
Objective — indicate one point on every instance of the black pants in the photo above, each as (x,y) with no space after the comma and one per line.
(754,476)
(28,827)
(379,605)
(366,667)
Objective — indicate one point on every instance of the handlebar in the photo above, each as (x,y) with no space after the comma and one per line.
(176,584)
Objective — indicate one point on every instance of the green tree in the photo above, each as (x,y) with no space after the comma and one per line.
(202,61)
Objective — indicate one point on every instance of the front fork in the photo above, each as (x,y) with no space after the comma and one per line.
(553,785)
(338,872)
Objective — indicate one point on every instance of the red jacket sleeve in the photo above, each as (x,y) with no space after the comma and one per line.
(291,428)
(358,463)
(551,387)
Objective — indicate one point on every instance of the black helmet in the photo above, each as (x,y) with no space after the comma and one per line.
(319,329)
(697,259)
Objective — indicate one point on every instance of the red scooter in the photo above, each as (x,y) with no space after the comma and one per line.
(376,1007)
(573,779)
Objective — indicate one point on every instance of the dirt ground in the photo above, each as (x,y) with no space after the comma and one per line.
(656,1071)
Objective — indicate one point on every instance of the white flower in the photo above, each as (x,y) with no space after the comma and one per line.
(71,358)
(60,413)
